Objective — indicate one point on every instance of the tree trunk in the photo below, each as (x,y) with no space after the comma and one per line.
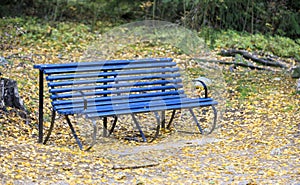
(9,95)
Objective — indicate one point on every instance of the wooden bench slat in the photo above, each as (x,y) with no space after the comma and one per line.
(108,92)
(100,63)
(118,85)
(111,98)
(117,79)
(113,73)
(118,101)
(107,68)
(136,105)
(151,109)
(147,104)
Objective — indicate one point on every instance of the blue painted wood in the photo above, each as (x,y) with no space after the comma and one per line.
(100,63)
(107,67)
(120,97)
(109,92)
(118,73)
(112,101)
(117,79)
(116,85)
(158,108)
(148,105)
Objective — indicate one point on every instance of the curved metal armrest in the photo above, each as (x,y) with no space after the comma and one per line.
(204,85)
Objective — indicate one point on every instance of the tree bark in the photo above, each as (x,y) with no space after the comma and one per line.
(9,95)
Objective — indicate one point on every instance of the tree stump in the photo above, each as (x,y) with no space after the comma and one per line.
(9,95)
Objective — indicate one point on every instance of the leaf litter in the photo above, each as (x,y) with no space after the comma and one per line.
(256,142)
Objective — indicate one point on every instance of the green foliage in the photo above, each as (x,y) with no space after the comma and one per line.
(280,17)
(54,10)
(277,45)
(36,31)
(273,17)
(29,31)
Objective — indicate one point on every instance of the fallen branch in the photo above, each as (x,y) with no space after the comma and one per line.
(236,64)
(134,167)
(246,55)
(20,57)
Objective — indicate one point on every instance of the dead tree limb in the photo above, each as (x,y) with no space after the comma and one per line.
(236,64)
(246,55)
(134,167)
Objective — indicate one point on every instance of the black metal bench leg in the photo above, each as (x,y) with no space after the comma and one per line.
(113,125)
(51,127)
(41,105)
(158,126)
(171,119)
(105,127)
(94,135)
(73,132)
(215,119)
(139,127)
(196,121)
(163,119)
(213,123)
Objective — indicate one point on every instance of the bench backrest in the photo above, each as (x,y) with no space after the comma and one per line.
(112,79)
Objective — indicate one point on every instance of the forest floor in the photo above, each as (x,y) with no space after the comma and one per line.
(257,140)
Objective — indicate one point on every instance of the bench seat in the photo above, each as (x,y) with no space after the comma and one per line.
(112,108)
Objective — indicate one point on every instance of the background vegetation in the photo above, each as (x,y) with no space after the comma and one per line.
(275,17)
(272,26)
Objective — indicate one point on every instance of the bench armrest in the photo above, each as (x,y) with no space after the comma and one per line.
(204,85)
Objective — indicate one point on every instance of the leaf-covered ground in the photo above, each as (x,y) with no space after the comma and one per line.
(257,140)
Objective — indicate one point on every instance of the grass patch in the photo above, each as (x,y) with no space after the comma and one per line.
(275,45)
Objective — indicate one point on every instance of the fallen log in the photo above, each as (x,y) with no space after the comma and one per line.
(246,55)
(236,64)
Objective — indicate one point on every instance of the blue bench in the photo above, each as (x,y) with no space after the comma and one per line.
(113,88)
